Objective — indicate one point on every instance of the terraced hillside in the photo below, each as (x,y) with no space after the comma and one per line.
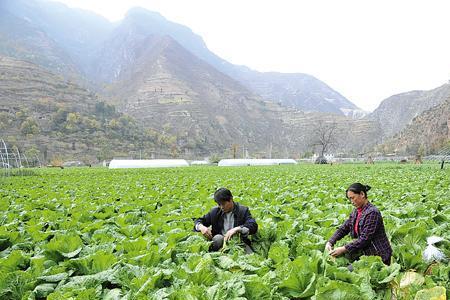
(50,116)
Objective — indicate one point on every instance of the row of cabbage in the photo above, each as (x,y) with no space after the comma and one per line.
(127,234)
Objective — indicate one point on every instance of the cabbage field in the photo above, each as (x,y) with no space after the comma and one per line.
(88,233)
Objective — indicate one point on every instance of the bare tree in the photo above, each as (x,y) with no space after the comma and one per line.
(324,136)
(234,149)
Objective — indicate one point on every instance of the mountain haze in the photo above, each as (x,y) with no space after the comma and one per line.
(296,90)
(155,85)
(301,91)
(22,40)
(77,33)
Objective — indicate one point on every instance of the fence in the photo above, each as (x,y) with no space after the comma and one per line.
(13,163)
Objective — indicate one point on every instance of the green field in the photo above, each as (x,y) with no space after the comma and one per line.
(127,234)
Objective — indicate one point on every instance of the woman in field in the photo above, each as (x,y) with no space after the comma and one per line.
(365,225)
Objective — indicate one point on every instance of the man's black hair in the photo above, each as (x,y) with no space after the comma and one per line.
(222,195)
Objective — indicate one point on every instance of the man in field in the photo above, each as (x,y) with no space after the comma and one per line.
(226,220)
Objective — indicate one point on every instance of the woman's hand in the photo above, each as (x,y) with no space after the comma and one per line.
(338,251)
(328,247)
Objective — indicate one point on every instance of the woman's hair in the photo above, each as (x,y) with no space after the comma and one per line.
(358,188)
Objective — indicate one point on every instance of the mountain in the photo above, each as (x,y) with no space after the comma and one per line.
(146,84)
(396,112)
(301,91)
(25,85)
(166,87)
(297,90)
(159,82)
(42,112)
(80,38)
(427,132)
(74,33)
(351,136)
(20,39)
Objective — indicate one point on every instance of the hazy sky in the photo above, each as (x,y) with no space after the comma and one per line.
(366,50)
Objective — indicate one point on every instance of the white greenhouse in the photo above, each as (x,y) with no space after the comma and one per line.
(199,163)
(147,163)
(256,162)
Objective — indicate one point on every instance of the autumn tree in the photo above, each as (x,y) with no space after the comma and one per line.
(29,127)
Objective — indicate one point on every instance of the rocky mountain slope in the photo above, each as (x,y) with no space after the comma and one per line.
(54,33)
(296,90)
(427,133)
(81,36)
(168,88)
(301,91)
(173,94)
(397,111)
(20,39)
(43,113)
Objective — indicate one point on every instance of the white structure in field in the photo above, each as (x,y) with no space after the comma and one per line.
(199,162)
(147,163)
(255,162)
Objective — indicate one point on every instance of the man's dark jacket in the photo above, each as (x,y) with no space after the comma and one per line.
(242,217)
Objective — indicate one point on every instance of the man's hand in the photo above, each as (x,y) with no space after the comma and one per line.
(328,247)
(338,251)
(206,231)
(231,232)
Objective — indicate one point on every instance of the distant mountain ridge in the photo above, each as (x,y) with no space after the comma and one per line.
(162,76)
(427,133)
(75,31)
(22,40)
(297,90)
(396,112)
(82,35)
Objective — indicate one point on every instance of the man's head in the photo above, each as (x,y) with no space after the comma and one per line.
(224,199)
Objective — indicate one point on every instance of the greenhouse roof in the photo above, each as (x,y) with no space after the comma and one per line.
(147,163)
(199,162)
(255,162)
